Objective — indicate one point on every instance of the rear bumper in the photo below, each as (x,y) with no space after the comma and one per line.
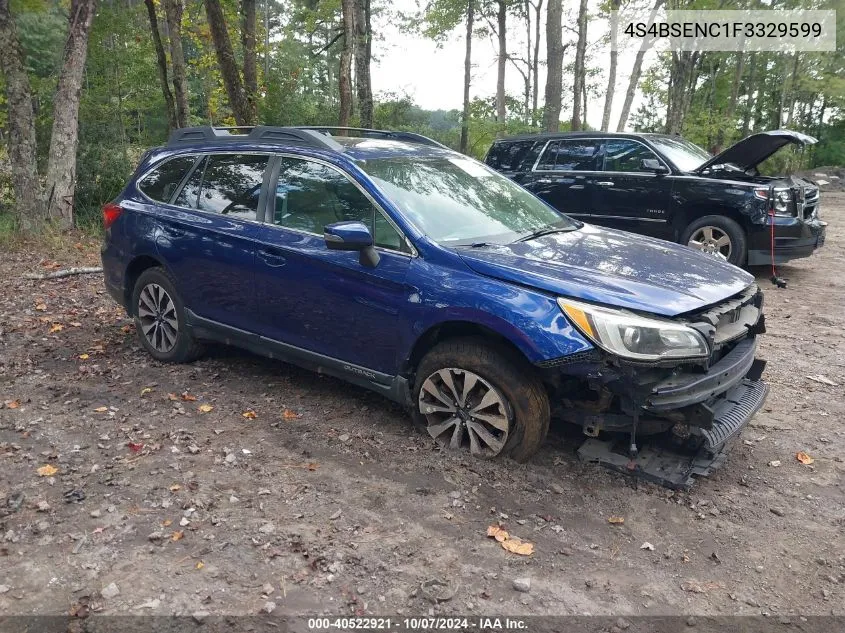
(794,238)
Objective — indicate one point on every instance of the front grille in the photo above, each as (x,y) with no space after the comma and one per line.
(810,198)
(731,320)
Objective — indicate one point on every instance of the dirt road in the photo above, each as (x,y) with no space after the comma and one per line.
(135,487)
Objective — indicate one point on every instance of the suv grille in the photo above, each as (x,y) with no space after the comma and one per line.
(808,202)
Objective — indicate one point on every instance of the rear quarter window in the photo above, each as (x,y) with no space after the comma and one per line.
(161,182)
(510,155)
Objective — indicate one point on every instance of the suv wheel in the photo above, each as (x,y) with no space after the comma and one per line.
(160,319)
(717,235)
(471,395)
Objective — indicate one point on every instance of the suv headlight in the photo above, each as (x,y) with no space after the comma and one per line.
(633,336)
(782,198)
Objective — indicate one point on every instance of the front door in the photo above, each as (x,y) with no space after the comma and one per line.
(629,197)
(326,301)
(564,175)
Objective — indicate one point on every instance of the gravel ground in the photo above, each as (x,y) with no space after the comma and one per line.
(238,485)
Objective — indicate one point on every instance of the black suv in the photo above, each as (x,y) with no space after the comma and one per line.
(668,187)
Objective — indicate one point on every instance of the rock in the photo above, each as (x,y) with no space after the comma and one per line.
(778,511)
(150,604)
(193,449)
(455,494)
(200,616)
(522,585)
(156,537)
(774,463)
(267,589)
(42,506)
(751,602)
(183,522)
(230,458)
(5,588)
(96,514)
(343,438)
(623,624)
(555,488)
(110,591)
(691,621)
(648,546)
(269,607)
(336,515)
(267,528)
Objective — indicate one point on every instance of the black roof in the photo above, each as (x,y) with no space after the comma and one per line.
(545,136)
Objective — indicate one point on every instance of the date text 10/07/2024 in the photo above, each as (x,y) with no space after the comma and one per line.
(417,624)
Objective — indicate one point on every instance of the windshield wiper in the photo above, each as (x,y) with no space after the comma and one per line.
(547,231)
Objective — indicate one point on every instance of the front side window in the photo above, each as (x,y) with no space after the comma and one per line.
(311,195)
(571,155)
(161,183)
(685,155)
(626,156)
(457,201)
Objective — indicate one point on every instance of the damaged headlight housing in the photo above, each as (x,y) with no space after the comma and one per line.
(782,198)
(633,336)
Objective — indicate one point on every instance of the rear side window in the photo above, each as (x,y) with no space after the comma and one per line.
(509,156)
(625,156)
(571,155)
(161,182)
(229,184)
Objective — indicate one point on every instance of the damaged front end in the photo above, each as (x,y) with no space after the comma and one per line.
(701,401)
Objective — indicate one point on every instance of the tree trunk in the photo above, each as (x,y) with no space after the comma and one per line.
(502,25)
(345,77)
(21,125)
(793,90)
(250,69)
(611,71)
(528,64)
(535,65)
(161,62)
(554,60)
(682,79)
(752,76)
(728,117)
(61,160)
(467,76)
(634,80)
(173,15)
(579,73)
(238,102)
(363,57)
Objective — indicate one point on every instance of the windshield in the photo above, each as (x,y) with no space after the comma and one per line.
(686,156)
(457,201)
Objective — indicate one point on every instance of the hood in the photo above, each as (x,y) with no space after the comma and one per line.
(614,268)
(753,150)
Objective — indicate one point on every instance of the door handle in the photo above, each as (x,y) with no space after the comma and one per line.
(605,183)
(271,257)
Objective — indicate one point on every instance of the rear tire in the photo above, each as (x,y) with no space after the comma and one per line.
(160,319)
(717,233)
(482,397)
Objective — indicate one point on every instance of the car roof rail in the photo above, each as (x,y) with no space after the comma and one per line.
(396,135)
(254,134)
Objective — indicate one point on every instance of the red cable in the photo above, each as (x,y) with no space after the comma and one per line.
(772,248)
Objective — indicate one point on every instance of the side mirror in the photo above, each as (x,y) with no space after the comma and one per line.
(652,164)
(352,236)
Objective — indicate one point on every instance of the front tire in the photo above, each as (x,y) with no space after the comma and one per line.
(717,235)
(480,397)
(160,319)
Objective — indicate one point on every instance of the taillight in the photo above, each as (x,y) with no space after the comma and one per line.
(111,212)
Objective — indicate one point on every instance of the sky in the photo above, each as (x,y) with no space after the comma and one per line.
(433,76)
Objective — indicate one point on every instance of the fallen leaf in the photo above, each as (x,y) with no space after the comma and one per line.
(41,307)
(56,327)
(135,447)
(497,533)
(200,564)
(126,329)
(166,523)
(616,520)
(249,414)
(146,390)
(12,404)
(518,546)
(172,396)
(101,409)
(84,356)
(205,408)
(177,536)
(175,488)
(804,458)
(287,414)
(647,546)
(188,397)
(47,470)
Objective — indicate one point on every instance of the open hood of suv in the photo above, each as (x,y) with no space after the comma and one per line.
(614,268)
(753,150)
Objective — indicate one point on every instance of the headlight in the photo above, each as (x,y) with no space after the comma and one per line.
(633,336)
(782,198)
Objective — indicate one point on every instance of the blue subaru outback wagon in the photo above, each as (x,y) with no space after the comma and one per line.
(391,262)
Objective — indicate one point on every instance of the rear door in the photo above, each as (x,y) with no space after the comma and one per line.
(207,236)
(629,197)
(564,173)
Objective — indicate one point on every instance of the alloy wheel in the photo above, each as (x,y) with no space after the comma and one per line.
(463,410)
(712,240)
(157,316)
